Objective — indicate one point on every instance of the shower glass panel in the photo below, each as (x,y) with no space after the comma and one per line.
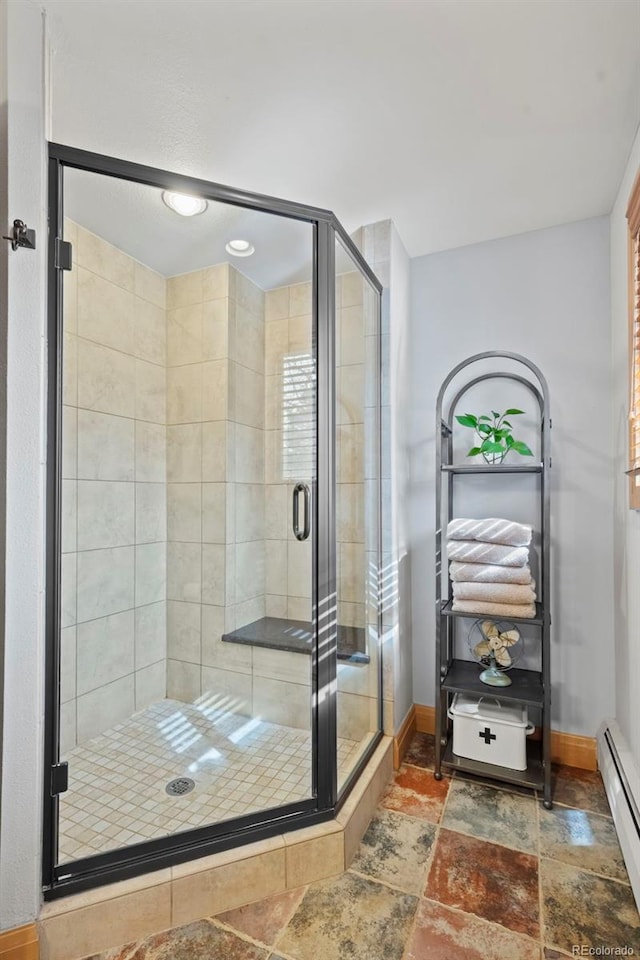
(357,511)
(188,441)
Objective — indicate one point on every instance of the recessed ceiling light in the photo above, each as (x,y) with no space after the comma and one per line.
(240,248)
(183,203)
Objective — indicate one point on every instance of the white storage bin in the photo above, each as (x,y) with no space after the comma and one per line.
(490,730)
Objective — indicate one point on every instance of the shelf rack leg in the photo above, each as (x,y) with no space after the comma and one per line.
(438,712)
(440,730)
(546,752)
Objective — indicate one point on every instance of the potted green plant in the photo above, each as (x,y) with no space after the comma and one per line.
(494,434)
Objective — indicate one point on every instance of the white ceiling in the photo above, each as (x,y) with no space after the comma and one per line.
(462,120)
(135,219)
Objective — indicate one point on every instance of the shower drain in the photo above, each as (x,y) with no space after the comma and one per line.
(180,786)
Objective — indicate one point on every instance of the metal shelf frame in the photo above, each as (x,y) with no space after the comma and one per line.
(532,777)
(487,468)
(463,676)
(447,610)
(530,687)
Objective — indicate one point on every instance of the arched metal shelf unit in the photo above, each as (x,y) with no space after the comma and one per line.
(529,687)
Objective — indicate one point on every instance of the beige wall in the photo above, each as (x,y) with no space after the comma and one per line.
(113,490)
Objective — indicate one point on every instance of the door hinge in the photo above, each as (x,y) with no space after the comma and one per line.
(59,778)
(21,236)
(63,254)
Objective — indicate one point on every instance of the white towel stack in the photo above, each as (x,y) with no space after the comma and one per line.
(489,568)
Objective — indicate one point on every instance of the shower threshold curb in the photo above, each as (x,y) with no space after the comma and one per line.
(110,916)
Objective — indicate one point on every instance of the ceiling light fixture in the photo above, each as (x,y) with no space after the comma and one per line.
(183,203)
(240,248)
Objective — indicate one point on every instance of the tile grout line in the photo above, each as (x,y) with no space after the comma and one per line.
(382,883)
(436,838)
(592,813)
(272,948)
(591,873)
(247,938)
(492,923)
(118,350)
(146,266)
(497,843)
(430,860)
(279,953)
(414,919)
(305,889)
(560,950)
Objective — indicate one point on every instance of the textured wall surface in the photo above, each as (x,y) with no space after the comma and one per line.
(24,166)
(545,295)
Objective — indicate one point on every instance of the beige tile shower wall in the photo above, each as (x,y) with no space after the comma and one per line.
(288,336)
(350,428)
(376,248)
(288,347)
(281,680)
(215,473)
(198,436)
(246,592)
(356,518)
(113,648)
(288,562)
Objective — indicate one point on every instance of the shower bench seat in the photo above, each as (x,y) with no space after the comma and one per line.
(296,636)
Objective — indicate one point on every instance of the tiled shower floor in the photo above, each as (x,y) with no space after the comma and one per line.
(117,781)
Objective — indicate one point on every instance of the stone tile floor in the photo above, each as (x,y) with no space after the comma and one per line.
(457,870)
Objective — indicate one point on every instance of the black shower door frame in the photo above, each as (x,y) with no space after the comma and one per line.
(70,877)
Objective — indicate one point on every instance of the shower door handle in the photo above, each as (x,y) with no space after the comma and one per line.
(301,534)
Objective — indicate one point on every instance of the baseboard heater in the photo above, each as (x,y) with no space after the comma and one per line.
(622,783)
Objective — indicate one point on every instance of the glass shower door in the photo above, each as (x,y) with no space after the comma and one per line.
(188,437)
(358,521)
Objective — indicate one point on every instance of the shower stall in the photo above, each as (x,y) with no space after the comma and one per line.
(214,664)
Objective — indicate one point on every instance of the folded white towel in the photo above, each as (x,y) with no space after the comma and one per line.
(501,611)
(495,592)
(488,573)
(491,530)
(472,551)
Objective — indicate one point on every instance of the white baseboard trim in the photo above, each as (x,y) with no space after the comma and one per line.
(622,783)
